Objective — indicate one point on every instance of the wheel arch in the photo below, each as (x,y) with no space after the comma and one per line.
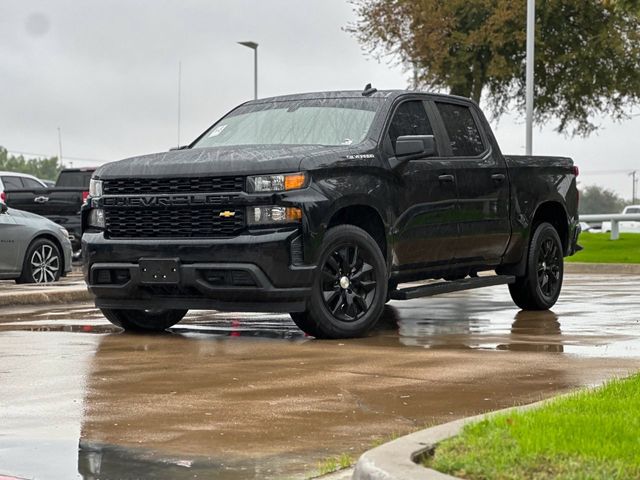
(366,217)
(551,211)
(555,213)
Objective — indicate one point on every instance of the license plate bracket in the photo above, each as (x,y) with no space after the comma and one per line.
(159,270)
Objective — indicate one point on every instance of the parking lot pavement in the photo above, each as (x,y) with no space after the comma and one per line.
(249,396)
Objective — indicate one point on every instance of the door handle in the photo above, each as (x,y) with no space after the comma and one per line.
(446,178)
(498,177)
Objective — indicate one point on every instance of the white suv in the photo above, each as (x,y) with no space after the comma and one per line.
(626,226)
(17,181)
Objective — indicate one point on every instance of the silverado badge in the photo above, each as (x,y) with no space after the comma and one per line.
(227,214)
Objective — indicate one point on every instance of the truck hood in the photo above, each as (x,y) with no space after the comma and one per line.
(238,160)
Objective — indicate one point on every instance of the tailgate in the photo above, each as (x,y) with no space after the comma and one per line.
(47,202)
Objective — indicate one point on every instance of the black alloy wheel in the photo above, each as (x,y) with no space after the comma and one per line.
(539,288)
(348,283)
(350,288)
(549,261)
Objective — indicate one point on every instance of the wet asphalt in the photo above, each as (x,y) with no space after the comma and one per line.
(249,396)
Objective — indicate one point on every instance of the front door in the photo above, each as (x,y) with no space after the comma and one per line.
(426,229)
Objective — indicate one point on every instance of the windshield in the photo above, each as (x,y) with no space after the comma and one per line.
(295,122)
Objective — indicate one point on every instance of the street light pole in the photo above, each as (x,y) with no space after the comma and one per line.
(179,98)
(60,147)
(531,30)
(634,179)
(253,46)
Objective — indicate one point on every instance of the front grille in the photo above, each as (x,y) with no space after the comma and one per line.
(145,186)
(171,223)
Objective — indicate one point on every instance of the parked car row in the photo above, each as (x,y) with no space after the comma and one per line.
(33,249)
(60,204)
(40,224)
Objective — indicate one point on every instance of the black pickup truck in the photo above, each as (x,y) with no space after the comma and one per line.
(321,205)
(60,204)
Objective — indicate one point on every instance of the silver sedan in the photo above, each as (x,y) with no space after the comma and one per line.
(32,248)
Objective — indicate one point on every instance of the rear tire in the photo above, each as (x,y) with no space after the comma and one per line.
(539,287)
(350,287)
(143,320)
(43,263)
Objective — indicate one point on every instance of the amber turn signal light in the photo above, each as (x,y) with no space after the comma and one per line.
(294,181)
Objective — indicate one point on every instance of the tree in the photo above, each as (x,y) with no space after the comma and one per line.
(595,199)
(44,168)
(587,60)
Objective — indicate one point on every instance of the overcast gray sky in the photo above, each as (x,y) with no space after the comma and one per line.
(106,73)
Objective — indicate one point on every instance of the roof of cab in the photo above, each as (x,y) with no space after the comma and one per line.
(384,94)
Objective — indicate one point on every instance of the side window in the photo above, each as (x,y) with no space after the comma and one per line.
(462,130)
(30,183)
(12,183)
(410,118)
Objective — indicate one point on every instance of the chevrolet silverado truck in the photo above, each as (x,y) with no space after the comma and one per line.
(60,204)
(322,205)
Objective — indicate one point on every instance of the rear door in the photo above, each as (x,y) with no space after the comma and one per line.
(482,183)
(426,229)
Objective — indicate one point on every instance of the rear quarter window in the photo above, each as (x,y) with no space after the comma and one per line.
(463,132)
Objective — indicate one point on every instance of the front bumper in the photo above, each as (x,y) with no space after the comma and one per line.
(253,272)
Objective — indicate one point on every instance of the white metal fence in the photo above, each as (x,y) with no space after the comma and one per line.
(614,218)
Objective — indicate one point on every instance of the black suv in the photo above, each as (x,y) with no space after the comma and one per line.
(320,205)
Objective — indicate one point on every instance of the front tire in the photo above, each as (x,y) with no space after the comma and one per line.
(539,288)
(143,320)
(350,287)
(42,263)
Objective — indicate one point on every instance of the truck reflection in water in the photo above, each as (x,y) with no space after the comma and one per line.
(194,403)
(458,326)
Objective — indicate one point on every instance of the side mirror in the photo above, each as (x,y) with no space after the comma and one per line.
(3,207)
(423,145)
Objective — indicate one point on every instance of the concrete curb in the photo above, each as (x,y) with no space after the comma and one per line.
(397,459)
(48,296)
(602,268)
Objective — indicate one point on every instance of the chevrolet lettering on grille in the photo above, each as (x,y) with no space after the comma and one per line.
(165,200)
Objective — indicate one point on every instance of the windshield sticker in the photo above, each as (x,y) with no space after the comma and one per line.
(217,131)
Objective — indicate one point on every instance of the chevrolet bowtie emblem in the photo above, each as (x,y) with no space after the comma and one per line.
(227,214)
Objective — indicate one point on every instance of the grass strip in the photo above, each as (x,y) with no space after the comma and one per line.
(593,434)
(599,248)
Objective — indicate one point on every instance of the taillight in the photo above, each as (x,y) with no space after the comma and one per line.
(84,196)
(3,197)
(576,170)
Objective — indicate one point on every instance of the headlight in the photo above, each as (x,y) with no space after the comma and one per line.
(273,215)
(276,183)
(95,188)
(96,218)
